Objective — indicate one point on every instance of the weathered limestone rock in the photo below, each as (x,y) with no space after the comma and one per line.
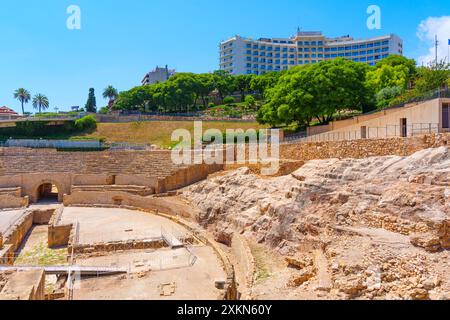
(382,222)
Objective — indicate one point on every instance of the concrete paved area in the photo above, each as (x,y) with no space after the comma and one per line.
(99,225)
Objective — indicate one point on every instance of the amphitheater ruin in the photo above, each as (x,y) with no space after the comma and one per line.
(132,225)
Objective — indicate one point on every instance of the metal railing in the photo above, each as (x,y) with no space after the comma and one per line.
(388,131)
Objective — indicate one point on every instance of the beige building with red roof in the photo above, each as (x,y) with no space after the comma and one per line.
(8,114)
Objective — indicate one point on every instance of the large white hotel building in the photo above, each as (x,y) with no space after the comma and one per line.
(240,55)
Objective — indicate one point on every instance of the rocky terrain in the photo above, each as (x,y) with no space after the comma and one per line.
(373,228)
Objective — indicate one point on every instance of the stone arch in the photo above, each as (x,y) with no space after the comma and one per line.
(37,189)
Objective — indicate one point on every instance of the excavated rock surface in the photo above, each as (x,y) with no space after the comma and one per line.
(375,228)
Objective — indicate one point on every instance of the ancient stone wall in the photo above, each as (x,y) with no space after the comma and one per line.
(362,148)
(30,168)
(126,200)
(8,201)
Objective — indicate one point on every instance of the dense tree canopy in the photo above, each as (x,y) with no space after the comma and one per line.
(301,95)
(317,91)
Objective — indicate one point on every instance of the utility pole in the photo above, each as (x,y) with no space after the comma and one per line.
(436,50)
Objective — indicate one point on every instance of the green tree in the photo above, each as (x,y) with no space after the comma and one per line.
(264,82)
(433,77)
(110,93)
(40,102)
(250,101)
(242,84)
(23,96)
(318,91)
(91,104)
(386,95)
(223,83)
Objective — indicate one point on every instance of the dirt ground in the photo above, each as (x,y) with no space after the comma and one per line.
(188,282)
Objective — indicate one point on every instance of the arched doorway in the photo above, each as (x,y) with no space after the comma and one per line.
(47,192)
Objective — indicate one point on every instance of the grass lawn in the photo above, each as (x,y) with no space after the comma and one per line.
(159,132)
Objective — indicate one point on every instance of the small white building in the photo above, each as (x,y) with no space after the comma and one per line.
(158,75)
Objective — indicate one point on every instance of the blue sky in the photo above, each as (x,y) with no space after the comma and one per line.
(120,41)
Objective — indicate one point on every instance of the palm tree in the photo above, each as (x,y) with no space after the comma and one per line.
(40,101)
(110,93)
(23,96)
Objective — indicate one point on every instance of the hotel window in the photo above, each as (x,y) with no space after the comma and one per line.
(291,50)
(320,49)
(306,43)
(300,43)
(446,116)
(314,43)
(249,59)
(277,49)
(320,55)
(263,48)
(285,49)
(269,48)
(249,51)
(314,49)
(300,55)
(320,43)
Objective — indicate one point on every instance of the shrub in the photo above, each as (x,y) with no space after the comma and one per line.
(229,100)
(250,100)
(211,105)
(104,110)
(86,123)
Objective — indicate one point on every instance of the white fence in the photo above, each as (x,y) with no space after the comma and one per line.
(53,144)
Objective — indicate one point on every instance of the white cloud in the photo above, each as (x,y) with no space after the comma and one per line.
(427,31)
